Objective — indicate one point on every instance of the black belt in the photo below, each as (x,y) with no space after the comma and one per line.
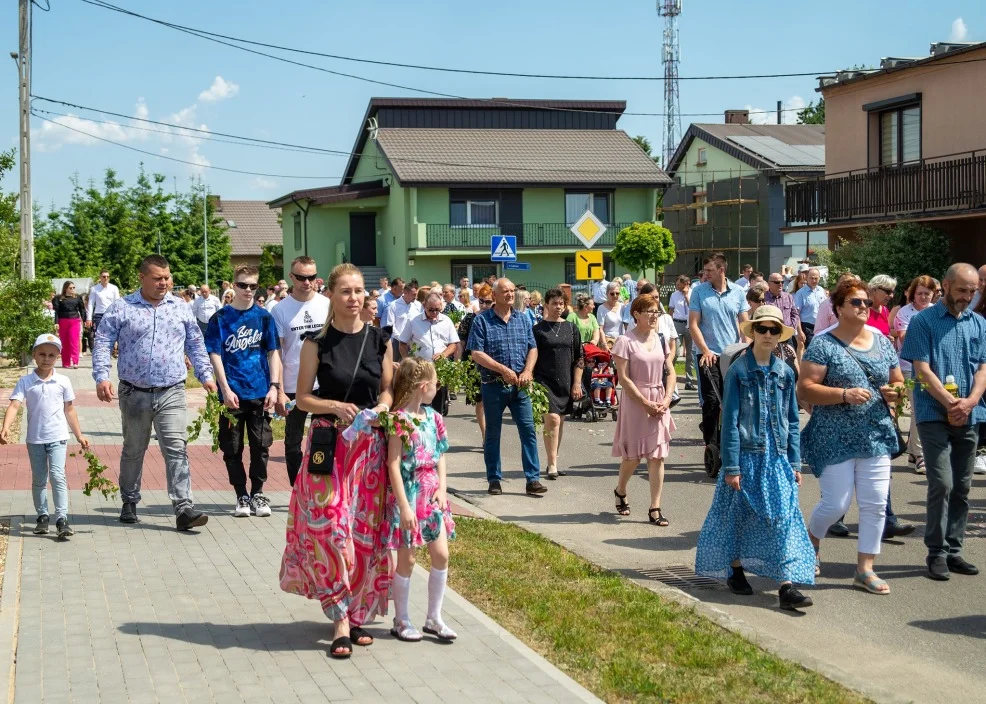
(151,390)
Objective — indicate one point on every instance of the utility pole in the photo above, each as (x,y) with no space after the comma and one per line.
(205,228)
(24,84)
(778,112)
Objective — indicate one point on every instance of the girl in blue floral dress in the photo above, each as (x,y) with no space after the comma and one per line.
(755,522)
(418,511)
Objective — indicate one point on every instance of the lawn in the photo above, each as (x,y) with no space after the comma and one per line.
(621,641)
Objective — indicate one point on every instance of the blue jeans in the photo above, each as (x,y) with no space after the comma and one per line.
(496,399)
(48,461)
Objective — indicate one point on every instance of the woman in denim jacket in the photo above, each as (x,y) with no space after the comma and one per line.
(755,522)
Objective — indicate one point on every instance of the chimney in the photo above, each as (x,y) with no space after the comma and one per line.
(737,117)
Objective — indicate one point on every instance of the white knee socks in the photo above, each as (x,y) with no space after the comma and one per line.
(436,593)
(401,591)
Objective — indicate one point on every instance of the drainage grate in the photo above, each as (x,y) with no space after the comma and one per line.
(681,577)
(976,526)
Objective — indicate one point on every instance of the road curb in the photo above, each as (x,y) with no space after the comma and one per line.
(10,607)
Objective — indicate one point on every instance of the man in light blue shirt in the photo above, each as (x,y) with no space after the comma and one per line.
(396,289)
(744,280)
(715,310)
(945,340)
(807,300)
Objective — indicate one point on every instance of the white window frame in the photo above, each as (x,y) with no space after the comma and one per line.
(592,203)
(469,204)
(701,214)
(701,157)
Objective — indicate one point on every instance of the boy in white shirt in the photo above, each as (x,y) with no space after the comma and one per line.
(50,413)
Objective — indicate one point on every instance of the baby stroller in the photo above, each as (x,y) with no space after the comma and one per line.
(599,373)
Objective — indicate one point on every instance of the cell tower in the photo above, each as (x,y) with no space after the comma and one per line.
(669,10)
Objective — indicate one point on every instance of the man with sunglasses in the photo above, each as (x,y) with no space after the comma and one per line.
(243,347)
(301,313)
(101,297)
(779,298)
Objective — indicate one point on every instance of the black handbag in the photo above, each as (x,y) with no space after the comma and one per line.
(901,445)
(322,443)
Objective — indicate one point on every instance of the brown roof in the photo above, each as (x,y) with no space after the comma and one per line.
(736,141)
(251,225)
(334,194)
(557,157)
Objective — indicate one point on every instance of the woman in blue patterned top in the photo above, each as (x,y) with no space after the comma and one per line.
(755,521)
(851,435)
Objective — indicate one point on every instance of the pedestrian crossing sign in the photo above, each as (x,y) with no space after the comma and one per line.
(589,265)
(503,248)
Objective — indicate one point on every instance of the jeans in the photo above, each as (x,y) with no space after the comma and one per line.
(870,478)
(949,455)
(496,399)
(253,419)
(709,381)
(681,327)
(165,410)
(294,435)
(48,461)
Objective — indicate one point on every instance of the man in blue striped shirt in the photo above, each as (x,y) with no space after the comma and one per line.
(948,340)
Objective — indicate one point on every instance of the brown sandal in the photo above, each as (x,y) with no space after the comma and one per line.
(660,520)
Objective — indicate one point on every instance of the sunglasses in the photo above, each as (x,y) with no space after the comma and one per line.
(859,302)
(774,281)
(766,329)
(244,286)
(485,302)
(299,277)
(613,293)
(888,291)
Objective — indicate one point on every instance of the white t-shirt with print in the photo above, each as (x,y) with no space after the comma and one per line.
(294,318)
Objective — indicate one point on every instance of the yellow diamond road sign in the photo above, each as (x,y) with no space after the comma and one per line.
(588,229)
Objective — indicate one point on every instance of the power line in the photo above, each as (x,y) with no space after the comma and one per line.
(181,161)
(443,69)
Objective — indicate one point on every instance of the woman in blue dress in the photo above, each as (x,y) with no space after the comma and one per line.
(755,522)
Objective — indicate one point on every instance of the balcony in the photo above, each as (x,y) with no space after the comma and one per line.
(529,235)
(945,185)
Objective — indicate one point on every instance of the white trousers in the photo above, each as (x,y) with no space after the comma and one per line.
(870,478)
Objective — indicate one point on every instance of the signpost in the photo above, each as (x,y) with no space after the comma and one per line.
(517,266)
(503,248)
(589,265)
(588,229)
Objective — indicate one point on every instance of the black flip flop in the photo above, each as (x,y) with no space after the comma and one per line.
(356,633)
(341,642)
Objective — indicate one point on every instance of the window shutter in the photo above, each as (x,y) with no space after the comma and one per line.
(911,131)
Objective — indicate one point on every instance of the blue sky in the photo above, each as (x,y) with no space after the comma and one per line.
(90,56)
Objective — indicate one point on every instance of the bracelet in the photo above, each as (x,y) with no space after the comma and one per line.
(844,395)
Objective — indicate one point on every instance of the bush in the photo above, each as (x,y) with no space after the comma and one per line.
(904,252)
(22,316)
(644,245)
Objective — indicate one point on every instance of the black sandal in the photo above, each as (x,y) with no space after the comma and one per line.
(357,634)
(622,507)
(338,643)
(660,520)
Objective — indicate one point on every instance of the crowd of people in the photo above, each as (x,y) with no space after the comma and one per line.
(369,477)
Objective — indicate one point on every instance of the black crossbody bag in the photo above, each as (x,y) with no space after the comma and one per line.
(322,447)
(901,445)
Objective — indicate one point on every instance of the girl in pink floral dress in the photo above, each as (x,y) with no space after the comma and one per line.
(417,505)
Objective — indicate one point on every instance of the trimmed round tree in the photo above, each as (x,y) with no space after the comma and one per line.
(644,245)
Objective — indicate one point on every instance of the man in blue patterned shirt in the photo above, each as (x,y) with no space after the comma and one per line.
(948,340)
(155,331)
(502,344)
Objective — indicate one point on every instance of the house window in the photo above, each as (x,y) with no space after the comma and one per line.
(473,213)
(577,203)
(297,231)
(701,211)
(900,136)
(701,161)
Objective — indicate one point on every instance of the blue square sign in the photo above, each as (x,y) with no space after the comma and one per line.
(503,248)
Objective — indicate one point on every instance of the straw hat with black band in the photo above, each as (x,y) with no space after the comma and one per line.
(767,314)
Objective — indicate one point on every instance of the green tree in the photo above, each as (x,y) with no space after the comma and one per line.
(645,144)
(22,316)
(271,266)
(644,245)
(903,251)
(813,114)
(9,222)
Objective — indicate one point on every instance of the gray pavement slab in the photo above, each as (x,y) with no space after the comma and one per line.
(902,647)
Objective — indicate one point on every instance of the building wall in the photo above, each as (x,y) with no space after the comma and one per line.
(719,165)
(433,205)
(544,204)
(953,103)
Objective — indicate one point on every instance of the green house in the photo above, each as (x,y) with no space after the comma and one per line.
(432,181)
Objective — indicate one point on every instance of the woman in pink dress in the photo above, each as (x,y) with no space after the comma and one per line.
(643,430)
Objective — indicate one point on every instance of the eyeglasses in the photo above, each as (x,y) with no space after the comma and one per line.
(766,329)
(433,310)
(859,302)
(485,302)
(652,313)
(888,291)
(244,286)
(775,281)
(299,277)
(613,293)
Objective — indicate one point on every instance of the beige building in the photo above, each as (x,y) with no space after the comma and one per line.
(251,224)
(905,143)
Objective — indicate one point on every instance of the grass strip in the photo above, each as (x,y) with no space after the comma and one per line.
(621,641)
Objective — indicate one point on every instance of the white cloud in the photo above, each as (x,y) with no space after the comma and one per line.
(59,130)
(219,90)
(259,183)
(959,31)
(789,112)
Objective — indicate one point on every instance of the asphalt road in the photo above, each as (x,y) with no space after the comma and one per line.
(925,642)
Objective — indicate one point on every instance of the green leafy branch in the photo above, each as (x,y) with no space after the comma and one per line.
(394,425)
(456,316)
(214,408)
(97,480)
(908,385)
(539,401)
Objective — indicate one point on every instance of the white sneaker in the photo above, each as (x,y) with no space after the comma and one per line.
(260,505)
(242,509)
(980,467)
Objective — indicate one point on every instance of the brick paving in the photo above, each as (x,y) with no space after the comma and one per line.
(145,614)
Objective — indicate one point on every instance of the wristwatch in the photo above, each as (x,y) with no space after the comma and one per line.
(276,385)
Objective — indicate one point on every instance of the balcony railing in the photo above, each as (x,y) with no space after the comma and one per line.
(539,234)
(953,183)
